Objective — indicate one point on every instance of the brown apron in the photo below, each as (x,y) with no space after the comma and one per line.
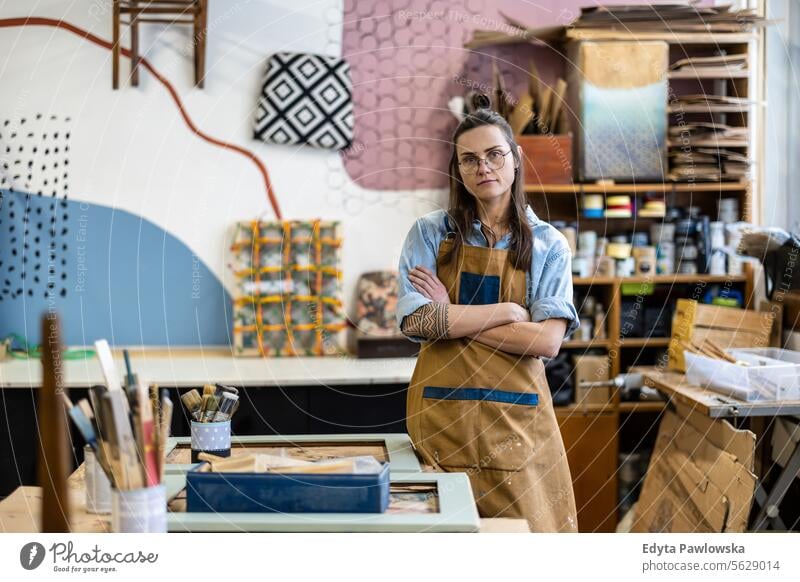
(488,413)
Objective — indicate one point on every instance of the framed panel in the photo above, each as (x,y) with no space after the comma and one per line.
(420,502)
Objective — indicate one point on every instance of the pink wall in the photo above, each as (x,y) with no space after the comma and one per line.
(407,60)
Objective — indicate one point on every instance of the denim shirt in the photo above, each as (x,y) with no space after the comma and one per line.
(549,282)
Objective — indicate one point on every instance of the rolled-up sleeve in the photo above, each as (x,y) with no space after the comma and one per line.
(552,299)
(418,249)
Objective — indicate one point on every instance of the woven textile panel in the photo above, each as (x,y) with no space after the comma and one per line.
(289,297)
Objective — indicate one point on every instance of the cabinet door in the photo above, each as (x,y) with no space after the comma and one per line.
(591,443)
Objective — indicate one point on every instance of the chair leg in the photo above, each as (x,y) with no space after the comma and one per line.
(134,47)
(115,46)
(200,48)
(196,43)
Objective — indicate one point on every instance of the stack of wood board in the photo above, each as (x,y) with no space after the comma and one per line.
(726,326)
(700,477)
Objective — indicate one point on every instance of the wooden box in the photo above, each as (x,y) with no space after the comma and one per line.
(591,369)
(547,158)
(727,326)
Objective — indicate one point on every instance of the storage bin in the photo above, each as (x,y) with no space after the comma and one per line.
(764,379)
(287,492)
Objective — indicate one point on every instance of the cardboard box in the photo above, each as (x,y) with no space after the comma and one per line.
(729,327)
(591,369)
(699,478)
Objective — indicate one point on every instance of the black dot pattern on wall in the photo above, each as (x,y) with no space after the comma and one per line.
(34,188)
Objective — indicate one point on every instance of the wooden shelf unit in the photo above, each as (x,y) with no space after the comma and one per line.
(592,434)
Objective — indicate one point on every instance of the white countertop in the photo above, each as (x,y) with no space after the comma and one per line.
(192,369)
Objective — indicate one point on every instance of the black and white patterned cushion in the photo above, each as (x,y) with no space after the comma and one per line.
(306,98)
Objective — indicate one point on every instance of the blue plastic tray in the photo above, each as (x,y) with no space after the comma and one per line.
(287,492)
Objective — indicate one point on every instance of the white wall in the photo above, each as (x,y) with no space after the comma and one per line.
(130,149)
(781,205)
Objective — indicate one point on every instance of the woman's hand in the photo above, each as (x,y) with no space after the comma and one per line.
(518,313)
(426,282)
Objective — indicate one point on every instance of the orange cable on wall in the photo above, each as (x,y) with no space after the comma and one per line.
(40,21)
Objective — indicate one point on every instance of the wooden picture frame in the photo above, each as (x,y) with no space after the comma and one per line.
(455,503)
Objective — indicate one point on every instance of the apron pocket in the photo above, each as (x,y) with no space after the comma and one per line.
(449,426)
(506,427)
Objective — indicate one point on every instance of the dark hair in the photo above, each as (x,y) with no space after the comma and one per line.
(463,208)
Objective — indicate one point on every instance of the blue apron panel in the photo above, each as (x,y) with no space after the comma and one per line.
(478,289)
(489,394)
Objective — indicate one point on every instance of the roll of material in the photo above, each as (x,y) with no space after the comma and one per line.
(620,200)
(617,250)
(582,266)
(593,205)
(717,265)
(606,267)
(645,258)
(717,230)
(646,252)
(728,210)
(625,267)
(570,234)
(619,207)
(593,201)
(665,258)
(662,232)
(587,243)
(686,249)
(602,246)
(639,239)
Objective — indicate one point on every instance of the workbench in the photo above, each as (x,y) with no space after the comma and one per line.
(715,405)
(21,511)
(304,395)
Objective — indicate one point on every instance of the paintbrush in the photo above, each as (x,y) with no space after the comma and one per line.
(82,423)
(107,365)
(147,437)
(165,423)
(225,388)
(193,403)
(226,405)
(210,409)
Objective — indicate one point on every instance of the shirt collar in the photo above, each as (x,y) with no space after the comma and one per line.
(532,218)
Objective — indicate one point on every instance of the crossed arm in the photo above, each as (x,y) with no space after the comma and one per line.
(504,326)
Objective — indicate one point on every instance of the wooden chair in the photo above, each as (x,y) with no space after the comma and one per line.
(194,12)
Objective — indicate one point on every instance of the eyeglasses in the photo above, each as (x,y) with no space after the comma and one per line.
(494,161)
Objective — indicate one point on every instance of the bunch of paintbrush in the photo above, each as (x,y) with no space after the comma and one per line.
(127,428)
(217,404)
(129,442)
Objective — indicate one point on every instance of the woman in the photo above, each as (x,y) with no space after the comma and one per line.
(487,288)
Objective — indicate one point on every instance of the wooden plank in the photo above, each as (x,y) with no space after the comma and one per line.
(678,38)
(595,188)
(712,404)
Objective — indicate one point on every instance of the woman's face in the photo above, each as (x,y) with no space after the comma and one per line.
(485,141)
